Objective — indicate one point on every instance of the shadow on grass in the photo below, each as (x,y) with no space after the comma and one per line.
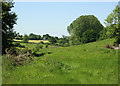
(42,54)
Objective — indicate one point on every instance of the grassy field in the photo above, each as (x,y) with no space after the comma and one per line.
(34,41)
(80,64)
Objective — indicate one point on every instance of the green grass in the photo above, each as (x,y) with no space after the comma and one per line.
(80,64)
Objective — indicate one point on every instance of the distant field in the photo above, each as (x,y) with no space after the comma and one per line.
(90,63)
(35,41)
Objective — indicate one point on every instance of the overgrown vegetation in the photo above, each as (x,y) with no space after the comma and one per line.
(90,63)
(81,58)
(18,57)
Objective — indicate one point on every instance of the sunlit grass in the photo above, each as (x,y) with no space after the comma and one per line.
(80,64)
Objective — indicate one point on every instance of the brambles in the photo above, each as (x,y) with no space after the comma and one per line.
(19,57)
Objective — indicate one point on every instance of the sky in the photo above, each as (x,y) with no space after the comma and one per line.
(54,17)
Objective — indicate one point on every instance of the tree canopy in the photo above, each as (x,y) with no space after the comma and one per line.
(34,37)
(111,22)
(8,20)
(78,28)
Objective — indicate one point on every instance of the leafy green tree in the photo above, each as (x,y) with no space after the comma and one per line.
(8,20)
(112,23)
(34,37)
(46,37)
(18,36)
(82,24)
(52,40)
(89,36)
(70,28)
(25,38)
(103,34)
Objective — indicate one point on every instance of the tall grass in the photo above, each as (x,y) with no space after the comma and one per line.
(80,64)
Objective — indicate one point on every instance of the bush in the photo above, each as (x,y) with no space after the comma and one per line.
(52,40)
(56,44)
(39,47)
(46,46)
(26,50)
(22,46)
(41,42)
(17,44)
(34,51)
(25,38)
(66,45)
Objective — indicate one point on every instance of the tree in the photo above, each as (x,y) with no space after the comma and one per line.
(25,38)
(8,20)
(89,36)
(112,23)
(34,37)
(52,40)
(70,28)
(103,34)
(46,37)
(81,25)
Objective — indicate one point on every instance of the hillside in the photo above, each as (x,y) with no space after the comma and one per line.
(90,63)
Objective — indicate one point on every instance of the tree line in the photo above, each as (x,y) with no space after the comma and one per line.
(63,41)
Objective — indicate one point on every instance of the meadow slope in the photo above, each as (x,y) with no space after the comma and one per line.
(90,63)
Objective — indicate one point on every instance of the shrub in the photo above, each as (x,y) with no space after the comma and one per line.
(52,40)
(17,44)
(56,44)
(34,51)
(66,45)
(46,46)
(39,47)
(25,38)
(41,42)
(25,50)
(22,46)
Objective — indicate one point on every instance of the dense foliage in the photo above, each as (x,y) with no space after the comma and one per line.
(34,37)
(84,25)
(111,22)
(8,20)
(25,38)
